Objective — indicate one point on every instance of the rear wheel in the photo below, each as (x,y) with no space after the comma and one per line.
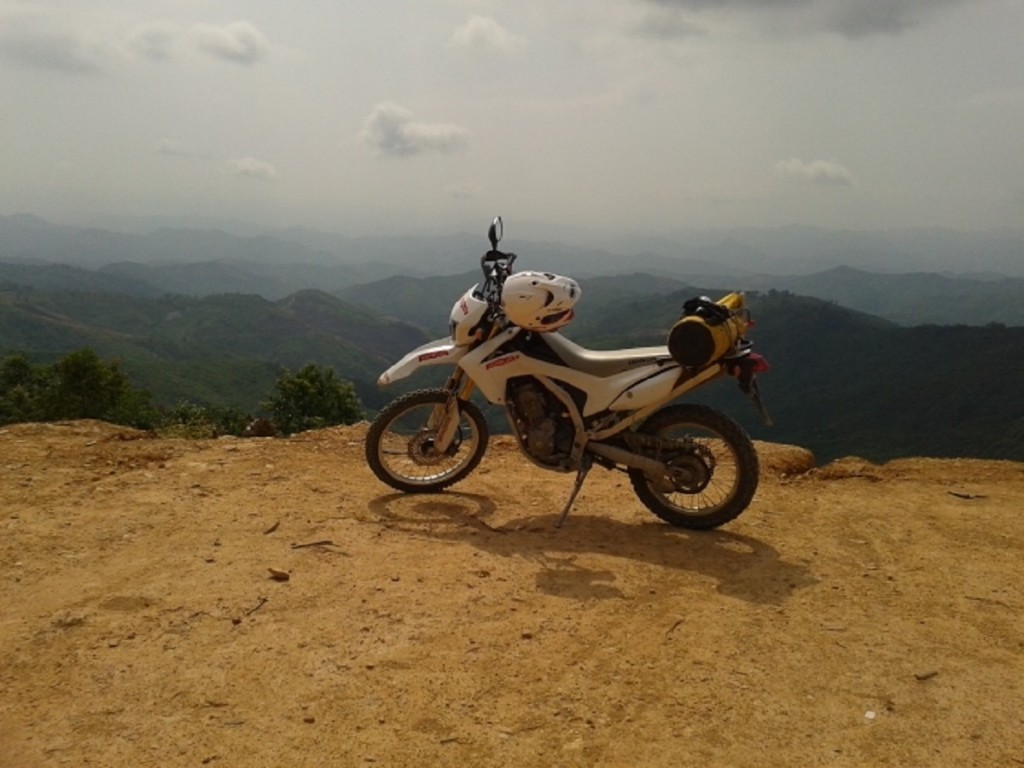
(400,444)
(712,467)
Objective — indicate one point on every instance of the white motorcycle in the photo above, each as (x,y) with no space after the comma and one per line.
(570,407)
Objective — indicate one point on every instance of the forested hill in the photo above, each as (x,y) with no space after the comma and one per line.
(842,382)
(217,350)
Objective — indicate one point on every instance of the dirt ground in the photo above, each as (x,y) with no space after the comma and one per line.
(855,615)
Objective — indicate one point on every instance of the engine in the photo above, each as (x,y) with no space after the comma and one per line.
(540,422)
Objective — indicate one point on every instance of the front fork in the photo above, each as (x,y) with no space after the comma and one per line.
(444,421)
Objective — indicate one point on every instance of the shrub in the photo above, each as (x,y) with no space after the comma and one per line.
(312,398)
(190,420)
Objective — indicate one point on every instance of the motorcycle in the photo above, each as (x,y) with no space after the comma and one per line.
(569,407)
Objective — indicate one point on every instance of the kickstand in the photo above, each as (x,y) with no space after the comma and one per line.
(581,475)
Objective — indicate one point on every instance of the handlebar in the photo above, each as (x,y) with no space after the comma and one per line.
(498,258)
(496,266)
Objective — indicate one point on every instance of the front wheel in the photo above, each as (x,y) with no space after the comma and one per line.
(712,467)
(400,444)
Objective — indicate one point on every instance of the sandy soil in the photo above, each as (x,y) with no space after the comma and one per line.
(855,615)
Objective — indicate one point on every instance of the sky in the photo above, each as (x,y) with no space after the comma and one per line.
(654,116)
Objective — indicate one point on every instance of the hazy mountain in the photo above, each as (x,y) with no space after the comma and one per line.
(268,279)
(61,277)
(915,298)
(427,302)
(199,278)
(911,299)
(422,301)
(785,250)
(28,238)
(802,250)
(381,272)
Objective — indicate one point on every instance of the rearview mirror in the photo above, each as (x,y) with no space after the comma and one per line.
(494,232)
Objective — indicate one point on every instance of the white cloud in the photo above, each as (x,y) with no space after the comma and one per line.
(860,18)
(253,168)
(154,40)
(485,32)
(238,42)
(823,172)
(44,41)
(392,130)
(849,18)
(667,24)
(36,41)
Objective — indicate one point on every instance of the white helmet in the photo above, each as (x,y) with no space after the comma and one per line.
(539,301)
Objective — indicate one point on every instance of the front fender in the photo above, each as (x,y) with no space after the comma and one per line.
(437,352)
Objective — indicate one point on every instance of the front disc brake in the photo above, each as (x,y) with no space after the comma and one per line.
(422,451)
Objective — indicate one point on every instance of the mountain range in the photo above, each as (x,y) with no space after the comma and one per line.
(856,270)
(868,363)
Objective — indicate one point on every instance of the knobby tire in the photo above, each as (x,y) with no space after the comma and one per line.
(471,418)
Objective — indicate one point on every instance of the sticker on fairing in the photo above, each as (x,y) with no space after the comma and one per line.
(432,355)
(497,363)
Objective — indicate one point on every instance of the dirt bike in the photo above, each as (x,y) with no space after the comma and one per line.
(570,407)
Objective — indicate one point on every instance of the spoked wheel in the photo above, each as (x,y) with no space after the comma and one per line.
(400,444)
(712,467)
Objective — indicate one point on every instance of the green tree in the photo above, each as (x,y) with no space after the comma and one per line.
(311,399)
(21,384)
(78,386)
(84,387)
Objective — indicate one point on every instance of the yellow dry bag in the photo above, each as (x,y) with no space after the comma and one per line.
(708,330)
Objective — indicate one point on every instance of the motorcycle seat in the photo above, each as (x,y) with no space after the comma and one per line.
(605,363)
